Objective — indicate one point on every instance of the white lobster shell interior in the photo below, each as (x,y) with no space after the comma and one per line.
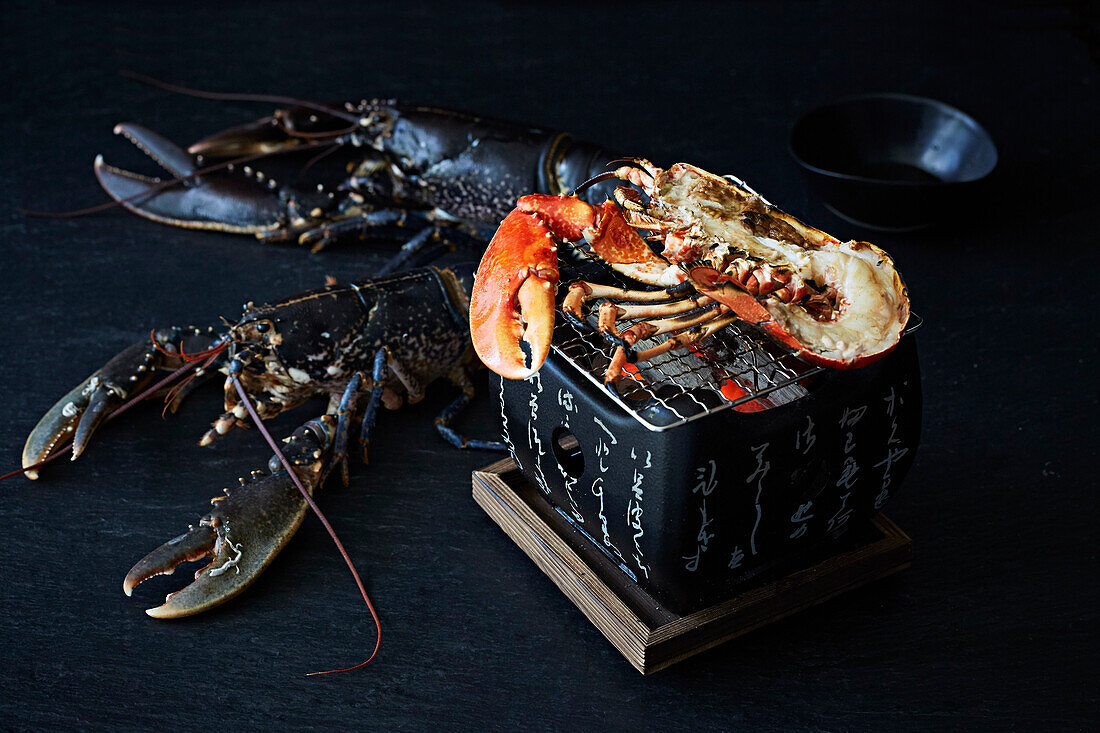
(872,306)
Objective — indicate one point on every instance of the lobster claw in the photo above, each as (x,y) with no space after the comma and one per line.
(226,201)
(245,530)
(77,415)
(512,303)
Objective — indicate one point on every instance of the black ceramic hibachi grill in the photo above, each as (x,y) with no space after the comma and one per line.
(706,468)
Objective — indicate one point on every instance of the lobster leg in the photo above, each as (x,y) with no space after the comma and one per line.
(726,290)
(392,224)
(679,309)
(427,245)
(450,413)
(648,329)
(425,239)
(385,364)
(236,414)
(345,412)
(711,325)
(370,414)
(384,224)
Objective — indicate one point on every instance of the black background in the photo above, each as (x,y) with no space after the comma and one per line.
(994,626)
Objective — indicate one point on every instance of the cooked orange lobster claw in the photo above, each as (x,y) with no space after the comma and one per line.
(512,305)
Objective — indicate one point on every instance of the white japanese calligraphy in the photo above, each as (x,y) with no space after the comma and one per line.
(801,517)
(533,440)
(634,516)
(758,474)
(804,439)
(893,454)
(704,483)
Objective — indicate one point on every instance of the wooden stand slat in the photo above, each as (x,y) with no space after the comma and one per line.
(649,635)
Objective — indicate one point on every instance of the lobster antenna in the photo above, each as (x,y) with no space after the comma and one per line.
(328,135)
(34,466)
(227,97)
(247,402)
(319,157)
(143,395)
(598,178)
(161,185)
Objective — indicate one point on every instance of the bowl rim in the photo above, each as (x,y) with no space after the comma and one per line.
(897,96)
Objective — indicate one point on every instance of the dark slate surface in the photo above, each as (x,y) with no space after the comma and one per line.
(994,626)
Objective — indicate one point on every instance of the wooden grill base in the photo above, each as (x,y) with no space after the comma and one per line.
(650,636)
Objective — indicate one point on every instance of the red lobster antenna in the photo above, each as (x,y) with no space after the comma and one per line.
(320,515)
(238,97)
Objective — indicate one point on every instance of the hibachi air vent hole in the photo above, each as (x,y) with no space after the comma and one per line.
(567,449)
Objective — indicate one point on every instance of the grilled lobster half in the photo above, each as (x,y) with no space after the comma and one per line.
(714,253)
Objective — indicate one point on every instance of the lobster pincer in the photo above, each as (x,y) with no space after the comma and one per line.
(229,200)
(76,415)
(245,529)
(241,199)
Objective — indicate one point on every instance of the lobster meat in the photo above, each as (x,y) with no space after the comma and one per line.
(715,252)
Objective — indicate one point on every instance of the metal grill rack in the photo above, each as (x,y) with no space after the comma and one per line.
(731,368)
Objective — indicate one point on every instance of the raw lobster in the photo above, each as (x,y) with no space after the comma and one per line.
(371,342)
(431,177)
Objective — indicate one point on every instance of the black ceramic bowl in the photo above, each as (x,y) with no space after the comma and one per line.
(892,161)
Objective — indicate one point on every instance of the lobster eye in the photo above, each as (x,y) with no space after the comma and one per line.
(263,327)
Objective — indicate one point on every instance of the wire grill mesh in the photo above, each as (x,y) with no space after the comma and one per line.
(737,367)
